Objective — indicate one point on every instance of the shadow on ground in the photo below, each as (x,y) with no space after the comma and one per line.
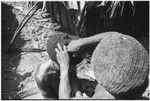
(10,61)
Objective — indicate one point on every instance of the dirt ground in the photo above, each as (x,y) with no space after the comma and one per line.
(18,66)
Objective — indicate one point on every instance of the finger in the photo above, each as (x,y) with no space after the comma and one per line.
(85,95)
(57,51)
(64,48)
(59,47)
(78,93)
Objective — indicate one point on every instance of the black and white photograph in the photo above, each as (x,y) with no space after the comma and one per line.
(75,50)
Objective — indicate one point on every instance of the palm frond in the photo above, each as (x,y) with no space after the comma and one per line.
(115,5)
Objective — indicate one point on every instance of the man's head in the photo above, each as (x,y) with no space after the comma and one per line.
(121,65)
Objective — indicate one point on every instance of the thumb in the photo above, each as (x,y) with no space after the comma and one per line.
(78,93)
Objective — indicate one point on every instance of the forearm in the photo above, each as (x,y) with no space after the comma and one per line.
(64,86)
(96,38)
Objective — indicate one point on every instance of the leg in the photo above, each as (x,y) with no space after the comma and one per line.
(47,79)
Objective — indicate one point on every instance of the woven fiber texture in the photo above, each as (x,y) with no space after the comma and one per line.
(120,63)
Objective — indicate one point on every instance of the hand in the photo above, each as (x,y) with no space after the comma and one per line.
(74,45)
(79,95)
(62,56)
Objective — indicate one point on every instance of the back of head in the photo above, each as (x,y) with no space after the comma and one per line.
(121,65)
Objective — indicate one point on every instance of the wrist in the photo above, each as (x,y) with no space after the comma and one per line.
(64,65)
(64,69)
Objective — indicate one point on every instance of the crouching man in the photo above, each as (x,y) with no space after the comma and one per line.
(119,63)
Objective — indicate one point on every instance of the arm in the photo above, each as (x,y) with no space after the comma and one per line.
(63,60)
(64,86)
(96,38)
(75,45)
